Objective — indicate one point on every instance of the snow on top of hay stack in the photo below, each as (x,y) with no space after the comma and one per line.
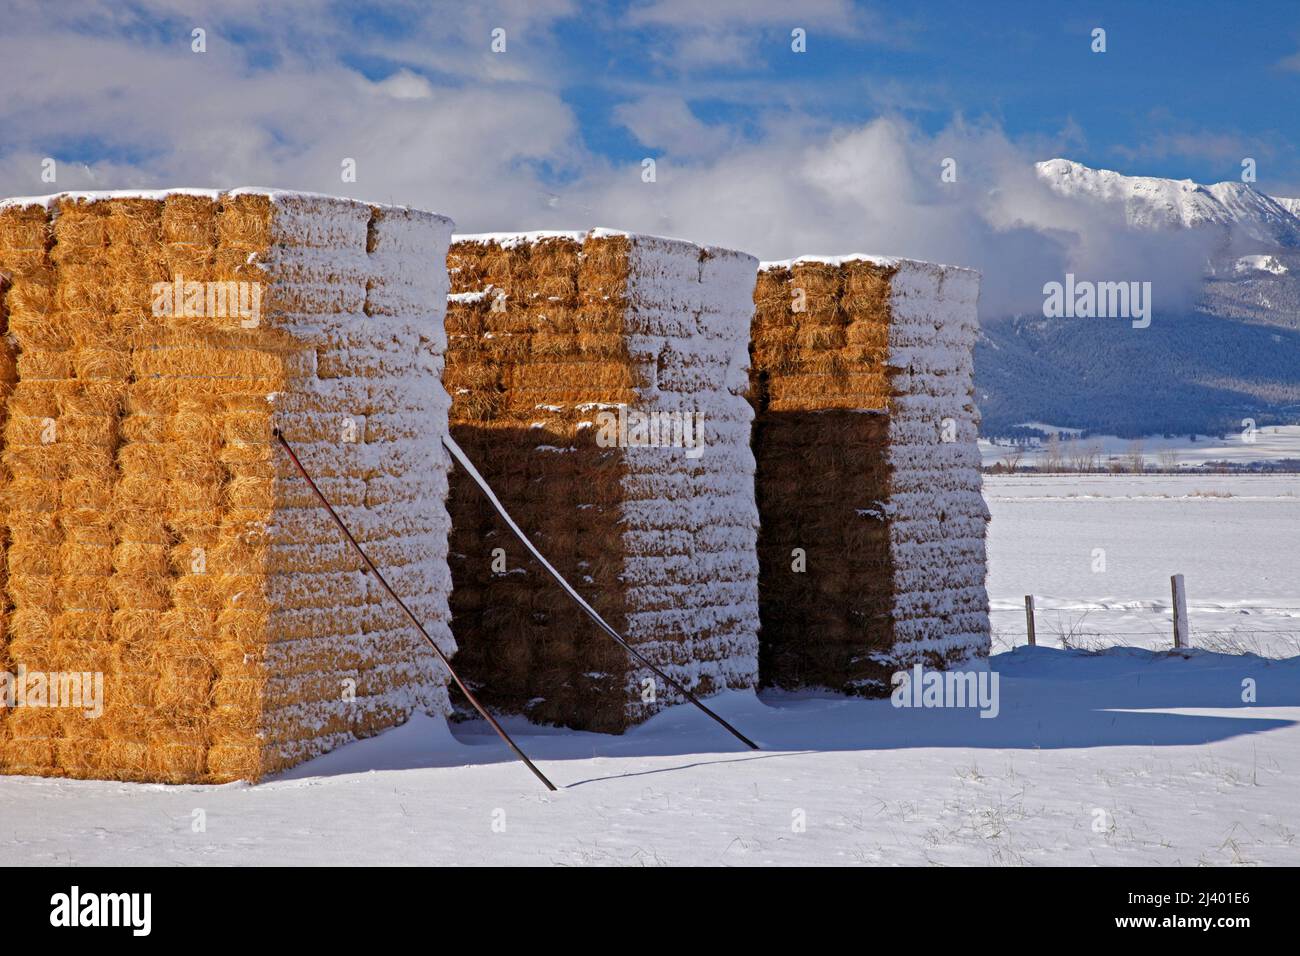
(156,533)
(558,341)
(867,460)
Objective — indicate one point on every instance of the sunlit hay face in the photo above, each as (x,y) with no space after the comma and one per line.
(152,532)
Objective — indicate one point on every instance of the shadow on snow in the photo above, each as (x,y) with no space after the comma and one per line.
(1049,699)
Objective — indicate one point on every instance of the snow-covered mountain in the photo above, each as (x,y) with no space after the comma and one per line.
(1151,203)
(1233,354)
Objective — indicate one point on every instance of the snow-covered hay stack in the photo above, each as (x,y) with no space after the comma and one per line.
(872,538)
(157,536)
(558,343)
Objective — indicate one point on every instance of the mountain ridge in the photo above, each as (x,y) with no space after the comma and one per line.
(1229,353)
(1152,202)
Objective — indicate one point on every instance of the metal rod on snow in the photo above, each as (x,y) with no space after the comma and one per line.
(418,626)
(465,463)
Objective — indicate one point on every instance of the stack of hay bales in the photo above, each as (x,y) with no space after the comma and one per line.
(155,532)
(872,540)
(549,334)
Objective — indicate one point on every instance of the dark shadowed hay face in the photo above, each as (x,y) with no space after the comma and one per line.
(820,389)
(540,335)
(819,473)
(518,634)
(544,338)
(871,542)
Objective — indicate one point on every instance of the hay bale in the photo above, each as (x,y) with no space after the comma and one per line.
(155,533)
(548,333)
(865,441)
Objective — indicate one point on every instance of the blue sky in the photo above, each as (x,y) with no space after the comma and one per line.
(1184,90)
(834,150)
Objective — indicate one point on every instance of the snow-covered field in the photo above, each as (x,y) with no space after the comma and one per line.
(1097,552)
(1124,757)
(1270,443)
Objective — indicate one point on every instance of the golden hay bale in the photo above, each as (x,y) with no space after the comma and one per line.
(140,592)
(144,493)
(242,760)
(24,227)
(33,329)
(137,532)
(31,494)
(80,227)
(175,762)
(189,220)
(135,225)
(245,223)
(135,626)
(867,278)
(85,593)
(85,559)
(99,431)
(126,758)
(28,755)
(90,398)
(30,294)
(87,623)
(141,430)
(84,299)
(38,364)
(101,363)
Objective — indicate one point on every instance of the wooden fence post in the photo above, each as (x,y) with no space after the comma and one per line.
(1029,619)
(1181,630)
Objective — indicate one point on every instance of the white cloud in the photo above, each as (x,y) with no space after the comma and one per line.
(498,147)
(842,15)
(877,188)
(665,122)
(728,32)
(165,116)
(405,85)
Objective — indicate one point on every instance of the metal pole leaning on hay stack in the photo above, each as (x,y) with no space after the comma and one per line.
(418,626)
(465,463)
